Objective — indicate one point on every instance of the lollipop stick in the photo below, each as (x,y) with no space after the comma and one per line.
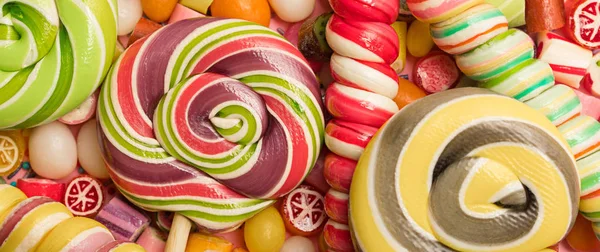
(178,236)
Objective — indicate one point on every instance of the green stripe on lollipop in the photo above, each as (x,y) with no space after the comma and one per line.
(14,84)
(29,23)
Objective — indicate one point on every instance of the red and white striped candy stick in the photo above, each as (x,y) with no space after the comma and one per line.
(360,98)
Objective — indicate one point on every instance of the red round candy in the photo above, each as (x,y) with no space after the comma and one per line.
(303,211)
(584,23)
(42,187)
(338,172)
(84,196)
(337,237)
(436,72)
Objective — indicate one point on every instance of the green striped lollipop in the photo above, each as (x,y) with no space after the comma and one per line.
(53,55)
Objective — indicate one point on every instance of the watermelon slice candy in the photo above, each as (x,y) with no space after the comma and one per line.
(84,196)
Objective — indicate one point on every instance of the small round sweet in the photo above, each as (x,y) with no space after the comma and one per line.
(336,206)
(408,93)
(582,23)
(298,244)
(52,151)
(201,242)
(497,55)
(265,232)
(434,11)
(158,10)
(257,11)
(293,10)
(436,72)
(469,29)
(418,39)
(337,237)
(88,151)
(303,211)
(87,109)
(84,196)
(12,150)
(130,11)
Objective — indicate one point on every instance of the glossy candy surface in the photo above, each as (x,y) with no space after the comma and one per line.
(265,231)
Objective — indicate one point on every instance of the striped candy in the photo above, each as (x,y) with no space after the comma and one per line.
(559,104)
(496,56)
(368,41)
(466,158)
(76,234)
(434,11)
(54,55)
(253,120)
(121,246)
(27,224)
(373,77)
(336,206)
(568,60)
(383,11)
(11,196)
(469,29)
(583,135)
(348,139)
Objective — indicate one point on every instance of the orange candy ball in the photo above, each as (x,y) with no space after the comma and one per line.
(158,10)
(582,237)
(408,92)
(257,11)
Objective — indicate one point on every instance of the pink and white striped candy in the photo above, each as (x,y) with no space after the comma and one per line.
(348,139)
(338,172)
(383,11)
(369,41)
(359,106)
(336,206)
(568,60)
(373,77)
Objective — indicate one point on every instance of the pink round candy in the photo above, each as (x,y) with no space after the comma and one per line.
(88,151)
(52,151)
(298,244)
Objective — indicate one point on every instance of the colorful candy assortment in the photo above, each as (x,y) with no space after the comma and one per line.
(207,131)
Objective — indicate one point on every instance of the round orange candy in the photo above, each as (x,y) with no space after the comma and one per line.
(158,10)
(200,242)
(582,237)
(257,11)
(12,150)
(408,92)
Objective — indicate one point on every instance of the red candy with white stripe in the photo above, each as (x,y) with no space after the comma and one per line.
(359,99)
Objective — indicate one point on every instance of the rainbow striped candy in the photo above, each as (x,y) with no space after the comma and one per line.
(226,99)
(54,56)
(473,171)
(469,29)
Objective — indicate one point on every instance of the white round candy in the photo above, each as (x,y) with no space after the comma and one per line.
(293,10)
(298,244)
(88,151)
(130,12)
(52,151)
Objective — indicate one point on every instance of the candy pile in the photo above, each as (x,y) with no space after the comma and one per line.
(198,125)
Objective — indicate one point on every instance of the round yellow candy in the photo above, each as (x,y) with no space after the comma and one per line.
(265,231)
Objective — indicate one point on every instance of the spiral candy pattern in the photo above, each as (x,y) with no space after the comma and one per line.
(468,163)
(54,55)
(505,65)
(236,113)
